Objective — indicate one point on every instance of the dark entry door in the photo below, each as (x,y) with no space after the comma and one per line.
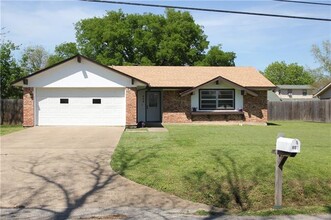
(153,106)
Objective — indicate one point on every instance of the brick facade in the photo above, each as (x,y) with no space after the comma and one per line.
(176,109)
(28,107)
(256,108)
(131,106)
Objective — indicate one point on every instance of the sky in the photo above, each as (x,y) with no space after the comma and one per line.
(257,41)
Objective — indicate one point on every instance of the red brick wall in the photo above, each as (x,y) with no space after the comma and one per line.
(176,109)
(131,106)
(256,108)
(28,107)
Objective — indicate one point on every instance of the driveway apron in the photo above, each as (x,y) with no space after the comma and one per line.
(61,170)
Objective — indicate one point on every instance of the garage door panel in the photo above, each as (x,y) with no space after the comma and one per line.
(80,110)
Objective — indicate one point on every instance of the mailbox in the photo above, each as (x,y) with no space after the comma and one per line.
(288,145)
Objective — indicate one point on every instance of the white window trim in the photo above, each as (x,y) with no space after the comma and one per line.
(217,100)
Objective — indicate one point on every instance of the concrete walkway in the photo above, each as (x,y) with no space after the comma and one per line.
(60,171)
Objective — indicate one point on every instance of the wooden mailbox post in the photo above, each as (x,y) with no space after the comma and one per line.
(285,147)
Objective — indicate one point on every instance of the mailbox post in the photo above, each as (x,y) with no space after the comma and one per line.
(285,147)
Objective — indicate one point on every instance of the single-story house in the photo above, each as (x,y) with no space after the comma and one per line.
(324,92)
(294,92)
(80,91)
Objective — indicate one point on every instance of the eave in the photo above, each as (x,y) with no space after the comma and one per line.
(219,78)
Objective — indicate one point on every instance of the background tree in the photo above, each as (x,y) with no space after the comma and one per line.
(217,57)
(34,58)
(149,39)
(322,55)
(10,71)
(280,73)
(62,52)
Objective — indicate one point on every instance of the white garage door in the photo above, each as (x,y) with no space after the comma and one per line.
(80,106)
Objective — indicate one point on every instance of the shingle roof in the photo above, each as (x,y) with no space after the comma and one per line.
(295,87)
(188,76)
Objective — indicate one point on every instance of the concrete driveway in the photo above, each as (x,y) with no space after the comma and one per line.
(61,172)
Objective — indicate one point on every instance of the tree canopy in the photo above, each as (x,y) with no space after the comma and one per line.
(62,51)
(217,57)
(34,58)
(10,71)
(148,39)
(322,55)
(280,73)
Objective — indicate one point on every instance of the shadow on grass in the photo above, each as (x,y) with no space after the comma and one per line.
(124,160)
(229,193)
(272,124)
(328,208)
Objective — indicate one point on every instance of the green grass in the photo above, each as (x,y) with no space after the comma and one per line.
(7,129)
(231,166)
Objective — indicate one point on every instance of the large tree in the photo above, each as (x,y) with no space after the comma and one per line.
(62,52)
(10,71)
(148,39)
(34,58)
(281,73)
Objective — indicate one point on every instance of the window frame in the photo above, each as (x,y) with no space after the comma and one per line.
(66,101)
(98,101)
(217,100)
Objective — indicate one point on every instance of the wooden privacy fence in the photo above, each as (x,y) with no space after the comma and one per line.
(318,111)
(11,111)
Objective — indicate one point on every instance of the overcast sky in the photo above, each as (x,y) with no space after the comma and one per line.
(257,41)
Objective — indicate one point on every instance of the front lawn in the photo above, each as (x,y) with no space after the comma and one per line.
(6,129)
(230,166)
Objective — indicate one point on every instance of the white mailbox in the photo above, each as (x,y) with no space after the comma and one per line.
(288,145)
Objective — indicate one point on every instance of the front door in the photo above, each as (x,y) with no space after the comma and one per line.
(153,106)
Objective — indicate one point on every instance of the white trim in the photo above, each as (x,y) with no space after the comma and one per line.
(35,112)
(125,106)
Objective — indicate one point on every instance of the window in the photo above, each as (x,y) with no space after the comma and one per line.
(153,99)
(216,99)
(96,101)
(304,92)
(64,101)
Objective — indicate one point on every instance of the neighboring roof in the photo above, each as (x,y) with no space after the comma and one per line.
(295,86)
(192,76)
(324,89)
(78,57)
